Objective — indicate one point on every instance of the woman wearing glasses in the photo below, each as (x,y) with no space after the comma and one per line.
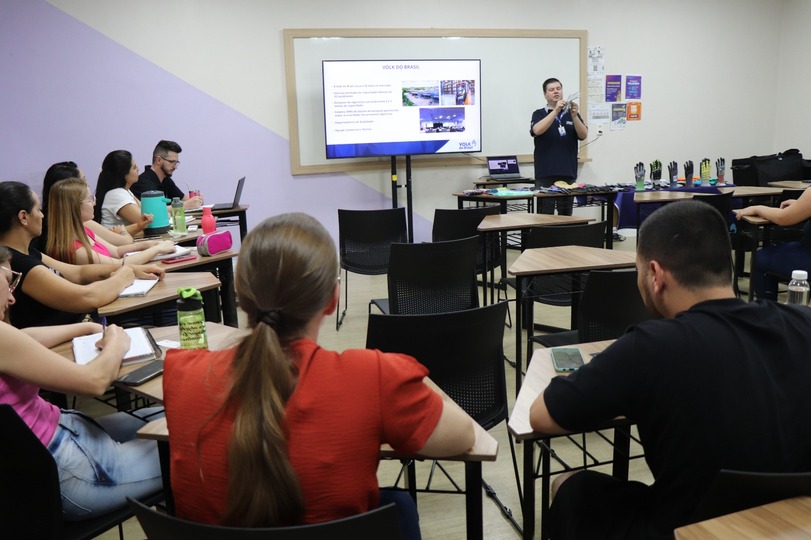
(99,462)
(72,241)
(52,292)
(116,205)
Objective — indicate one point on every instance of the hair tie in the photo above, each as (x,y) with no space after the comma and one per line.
(271,317)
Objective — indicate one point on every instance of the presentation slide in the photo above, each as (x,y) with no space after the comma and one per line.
(401,107)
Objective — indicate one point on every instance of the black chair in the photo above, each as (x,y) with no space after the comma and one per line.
(557,290)
(790,233)
(454,224)
(610,304)
(30,502)
(733,491)
(378,523)
(364,238)
(463,351)
(720,201)
(432,277)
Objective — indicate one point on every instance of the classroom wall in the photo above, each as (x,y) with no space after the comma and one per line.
(84,77)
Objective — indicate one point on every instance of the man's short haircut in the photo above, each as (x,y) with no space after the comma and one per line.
(163,148)
(549,81)
(691,240)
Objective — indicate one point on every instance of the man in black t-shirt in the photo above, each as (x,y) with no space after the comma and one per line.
(158,176)
(714,383)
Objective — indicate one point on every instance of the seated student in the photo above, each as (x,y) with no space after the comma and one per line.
(116,205)
(781,259)
(165,161)
(71,241)
(100,462)
(279,431)
(52,292)
(715,383)
(68,169)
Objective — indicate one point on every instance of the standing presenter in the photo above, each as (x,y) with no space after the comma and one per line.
(556,129)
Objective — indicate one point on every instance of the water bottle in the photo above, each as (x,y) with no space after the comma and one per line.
(178,216)
(209,222)
(191,320)
(798,288)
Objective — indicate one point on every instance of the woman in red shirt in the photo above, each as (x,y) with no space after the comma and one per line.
(277,430)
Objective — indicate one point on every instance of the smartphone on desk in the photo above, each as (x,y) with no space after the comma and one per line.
(179,258)
(566,358)
(145,373)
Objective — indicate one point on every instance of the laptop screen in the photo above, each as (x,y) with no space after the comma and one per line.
(502,165)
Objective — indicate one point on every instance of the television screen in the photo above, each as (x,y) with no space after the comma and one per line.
(401,107)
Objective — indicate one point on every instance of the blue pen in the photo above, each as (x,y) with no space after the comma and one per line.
(103,325)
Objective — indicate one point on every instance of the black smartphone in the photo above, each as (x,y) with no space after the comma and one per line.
(566,358)
(147,372)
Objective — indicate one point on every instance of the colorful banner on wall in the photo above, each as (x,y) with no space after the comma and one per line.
(633,87)
(613,88)
(634,111)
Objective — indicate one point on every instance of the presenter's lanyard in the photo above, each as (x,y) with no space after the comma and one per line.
(559,118)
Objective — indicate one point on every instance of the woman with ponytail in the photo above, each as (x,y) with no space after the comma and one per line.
(278,431)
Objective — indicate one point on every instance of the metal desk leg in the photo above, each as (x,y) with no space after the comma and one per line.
(622,451)
(528,510)
(519,300)
(227,293)
(473,500)
(163,457)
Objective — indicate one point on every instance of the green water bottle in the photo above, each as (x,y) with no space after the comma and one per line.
(178,216)
(191,320)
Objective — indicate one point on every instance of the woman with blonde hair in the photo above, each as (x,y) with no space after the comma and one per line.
(278,430)
(72,241)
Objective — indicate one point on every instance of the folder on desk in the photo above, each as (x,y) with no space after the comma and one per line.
(142,347)
(139,287)
(178,252)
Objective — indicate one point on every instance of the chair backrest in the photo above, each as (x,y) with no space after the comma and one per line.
(610,304)
(590,235)
(719,201)
(463,351)
(30,503)
(790,194)
(433,277)
(732,491)
(364,238)
(454,223)
(379,523)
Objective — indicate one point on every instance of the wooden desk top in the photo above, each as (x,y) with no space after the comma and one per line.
(554,260)
(200,260)
(539,373)
(504,182)
(790,518)
(791,184)
(219,337)
(166,289)
(756,220)
(227,212)
(737,191)
(521,220)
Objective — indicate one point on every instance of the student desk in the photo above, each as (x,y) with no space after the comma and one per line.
(790,518)
(557,260)
(607,197)
(792,184)
(517,221)
(239,212)
(502,200)
(221,265)
(485,447)
(166,291)
(539,372)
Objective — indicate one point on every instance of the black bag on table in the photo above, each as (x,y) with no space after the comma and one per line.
(760,170)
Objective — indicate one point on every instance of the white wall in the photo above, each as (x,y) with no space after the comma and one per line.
(721,78)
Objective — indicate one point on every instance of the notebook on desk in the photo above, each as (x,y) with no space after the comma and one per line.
(503,167)
(142,347)
(229,205)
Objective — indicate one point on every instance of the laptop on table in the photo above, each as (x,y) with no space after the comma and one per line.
(503,167)
(228,205)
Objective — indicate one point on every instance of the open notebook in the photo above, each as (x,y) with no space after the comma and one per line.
(139,287)
(142,347)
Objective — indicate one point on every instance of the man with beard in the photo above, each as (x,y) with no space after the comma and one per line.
(712,383)
(158,177)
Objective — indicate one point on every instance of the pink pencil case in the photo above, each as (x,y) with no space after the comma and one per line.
(213,243)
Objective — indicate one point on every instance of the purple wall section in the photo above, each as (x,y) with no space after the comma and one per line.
(68,92)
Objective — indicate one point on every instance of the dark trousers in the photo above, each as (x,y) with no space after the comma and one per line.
(564,205)
(406,511)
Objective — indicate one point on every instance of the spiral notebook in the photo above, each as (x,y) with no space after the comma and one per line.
(142,347)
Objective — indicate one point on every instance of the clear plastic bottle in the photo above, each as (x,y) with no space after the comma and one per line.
(178,216)
(191,319)
(798,288)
